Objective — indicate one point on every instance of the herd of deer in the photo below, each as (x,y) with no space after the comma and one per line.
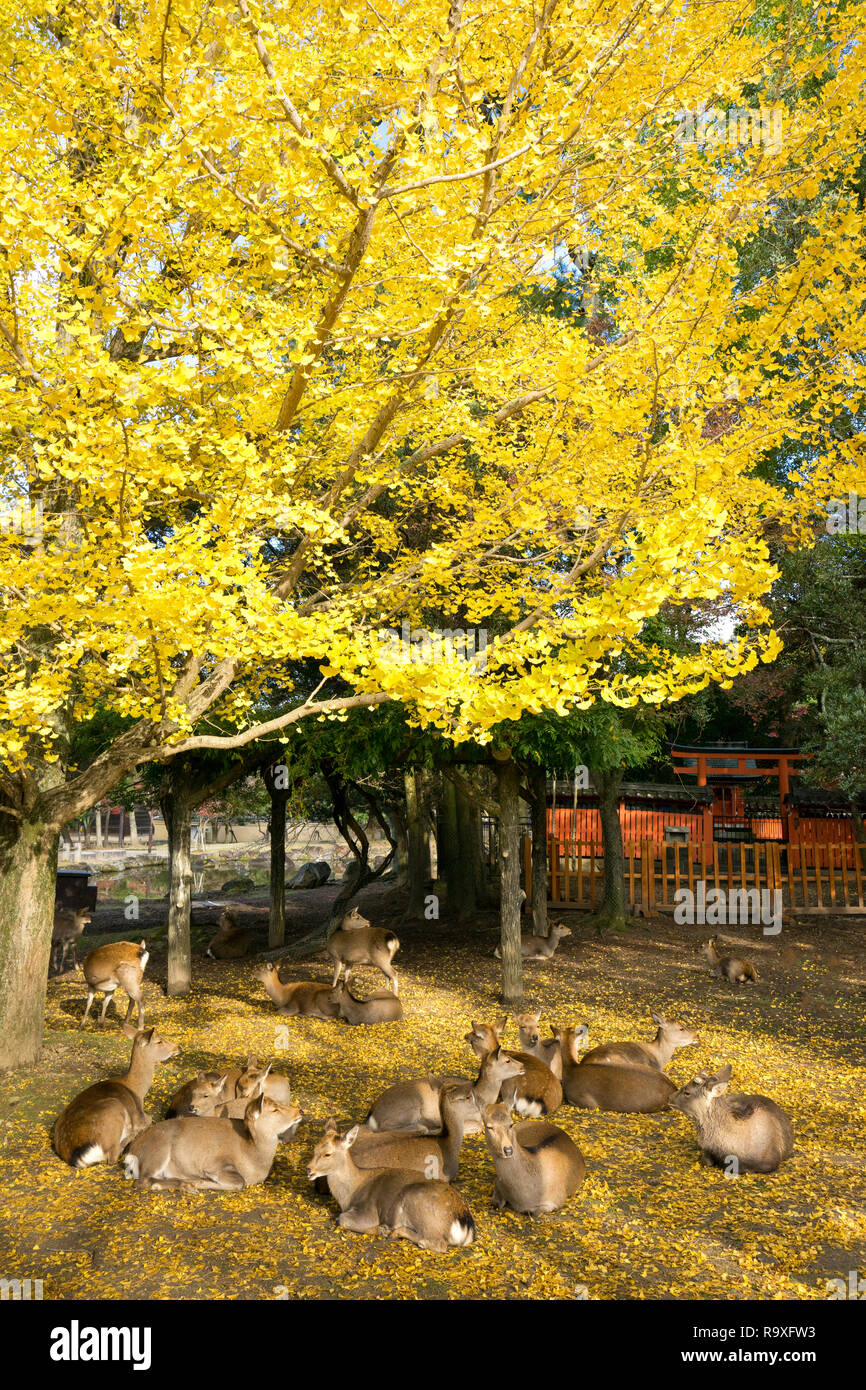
(393,1173)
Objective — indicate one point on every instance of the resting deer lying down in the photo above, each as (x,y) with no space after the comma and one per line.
(68,926)
(609,1085)
(415,1106)
(750,1128)
(547,1050)
(735,969)
(231,941)
(540,947)
(211,1154)
(538,1167)
(355,942)
(670,1037)
(394,1202)
(434,1155)
(308,998)
(96,1126)
(536,1091)
(109,967)
(381,1007)
(228,1092)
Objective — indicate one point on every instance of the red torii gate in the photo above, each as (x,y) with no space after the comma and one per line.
(722,766)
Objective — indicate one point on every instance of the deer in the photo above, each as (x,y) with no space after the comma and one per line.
(97,1125)
(231,941)
(547,1050)
(737,970)
(122,963)
(538,1167)
(69,924)
(536,1091)
(307,998)
(355,942)
(609,1085)
(540,947)
(434,1155)
(381,1007)
(227,1092)
(211,1153)
(395,1202)
(415,1106)
(670,1037)
(752,1129)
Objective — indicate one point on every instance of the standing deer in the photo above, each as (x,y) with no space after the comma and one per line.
(122,963)
(752,1129)
(538,1167)
(68,926)
(668,1039)
(355,942)
(309,998)
(735,969)
(97,1125)
(213,1154)
(396,1202)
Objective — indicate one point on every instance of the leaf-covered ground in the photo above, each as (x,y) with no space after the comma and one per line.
(650,1222)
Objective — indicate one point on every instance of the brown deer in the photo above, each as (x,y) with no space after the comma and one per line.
(609,1086)
(737,970)
(396,1202)
(68,927)
(212,1154)
(535,1091)
(381,1007)
(415,1106)
(434,1155)
(307,998)
(96,1126)
(669,1038)
(750,1129)
(538,1167)
(231,941)
(547,1050)
(355,942)
(106,968)
(540,947)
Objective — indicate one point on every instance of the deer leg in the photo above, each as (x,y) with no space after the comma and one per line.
(391,975)
(337,973)
(362,1219)
(109,995)
(90,998)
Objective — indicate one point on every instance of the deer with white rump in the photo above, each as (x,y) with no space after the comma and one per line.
(97,1125)
(735,969)
(355,943)
(108,967)
(395,1202)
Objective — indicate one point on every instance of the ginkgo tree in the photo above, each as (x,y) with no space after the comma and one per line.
(269,385)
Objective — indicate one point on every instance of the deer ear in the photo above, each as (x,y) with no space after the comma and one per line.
(725,1073)
(252,1064)
(266,1071)
(658,1019)
(331,1125)
(501,1024)
(349,1139)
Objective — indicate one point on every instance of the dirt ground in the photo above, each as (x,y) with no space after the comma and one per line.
(650,1222)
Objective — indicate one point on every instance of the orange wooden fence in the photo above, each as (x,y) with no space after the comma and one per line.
(813,877)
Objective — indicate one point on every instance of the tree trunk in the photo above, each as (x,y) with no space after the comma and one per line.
(469,867)
(28,878)
(538,792)
(607,783)
(279,799)
(177,811)
(419,854)
(509,882)
(448,845)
